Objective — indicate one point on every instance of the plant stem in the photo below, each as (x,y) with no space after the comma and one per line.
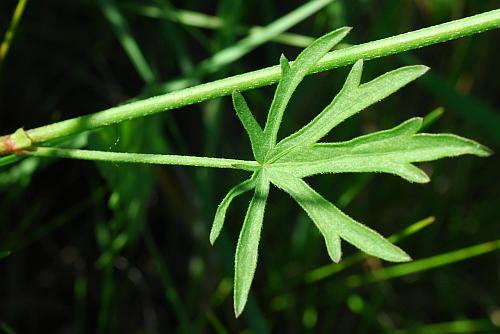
(160,159)
(380,48)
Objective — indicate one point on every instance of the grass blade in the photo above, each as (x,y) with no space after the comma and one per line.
(464,326)
(432,117)
(424,264)
(127,41)
(202,20)
(248,244)
(169,289)
(11,31)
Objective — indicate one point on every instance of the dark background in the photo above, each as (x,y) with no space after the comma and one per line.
(114,248)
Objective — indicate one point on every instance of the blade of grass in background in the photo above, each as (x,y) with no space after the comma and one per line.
(202,20)
(169,289)
(361,181)
(217,325)
(80,288)
(104,322)
(121,29)
(431,118)
(453,327)
(418,266)
(6,328)
(11,31)
(174,38)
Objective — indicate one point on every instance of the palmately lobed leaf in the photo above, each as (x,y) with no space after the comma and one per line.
(300,155)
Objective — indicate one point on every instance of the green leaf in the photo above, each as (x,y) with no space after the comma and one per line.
(335,223)
(248,244)
(220,214)
(316,207)
(250,124)
(367,239)
(350,100)
(390,151)
(319,151)
(292,76)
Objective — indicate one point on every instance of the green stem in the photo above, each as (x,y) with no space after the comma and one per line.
(159,159)
(387,46)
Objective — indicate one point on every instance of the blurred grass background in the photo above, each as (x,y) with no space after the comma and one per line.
(124,249)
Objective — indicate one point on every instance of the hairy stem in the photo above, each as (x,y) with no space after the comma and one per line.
(159,159)
(380,48)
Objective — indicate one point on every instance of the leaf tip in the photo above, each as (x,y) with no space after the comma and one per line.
(238,310)
(416,175)
(337,259)
(423,178)
(213,238)
(284,64)
(217,224)
(484,151)
(397,255)
(345,30)
(404,257)
(423,69)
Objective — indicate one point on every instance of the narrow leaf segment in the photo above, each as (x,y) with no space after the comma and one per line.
(248,243)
